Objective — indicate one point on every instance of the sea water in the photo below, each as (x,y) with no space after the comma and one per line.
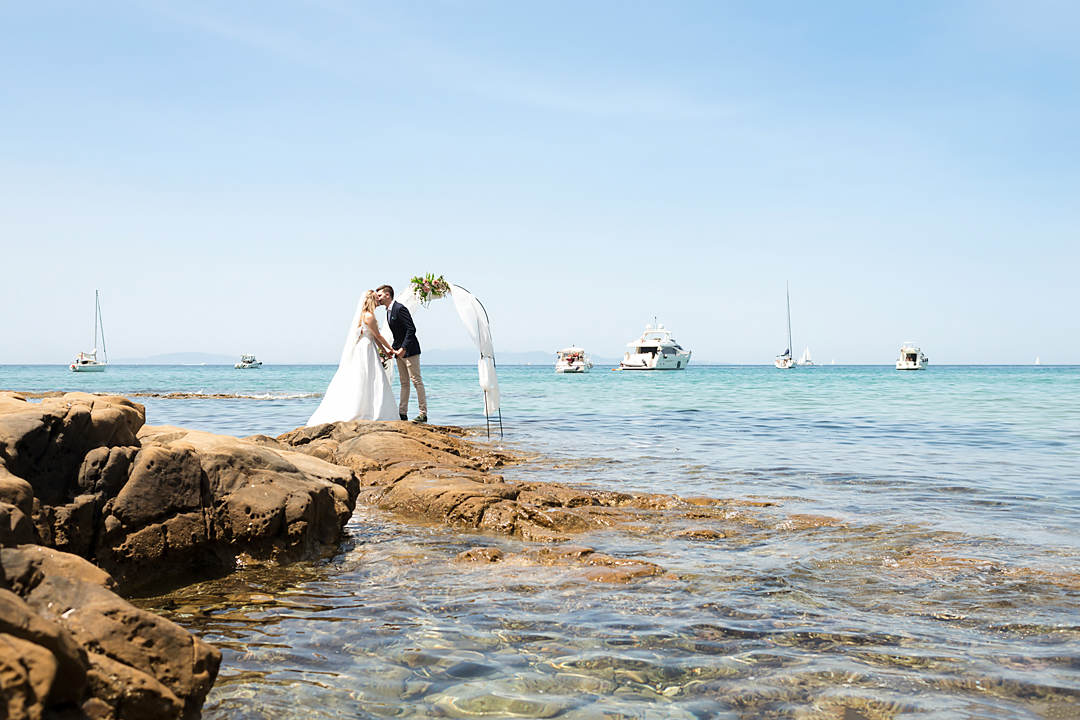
(936,575)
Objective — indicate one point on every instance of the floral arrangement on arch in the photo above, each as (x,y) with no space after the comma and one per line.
(428,288)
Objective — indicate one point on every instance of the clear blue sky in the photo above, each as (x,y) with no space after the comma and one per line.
(233,175)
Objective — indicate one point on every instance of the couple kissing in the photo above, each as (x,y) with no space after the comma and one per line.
(360,389)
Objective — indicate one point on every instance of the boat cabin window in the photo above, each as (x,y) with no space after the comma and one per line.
(647,350)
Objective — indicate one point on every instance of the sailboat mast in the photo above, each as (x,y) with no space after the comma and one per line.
(101,323)
(97,312)
(791,348)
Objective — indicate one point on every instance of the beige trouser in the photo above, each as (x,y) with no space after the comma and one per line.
(410,367)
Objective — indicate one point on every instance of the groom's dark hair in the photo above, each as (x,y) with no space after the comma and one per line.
(389,290)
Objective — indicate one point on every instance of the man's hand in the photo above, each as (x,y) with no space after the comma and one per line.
(400,352)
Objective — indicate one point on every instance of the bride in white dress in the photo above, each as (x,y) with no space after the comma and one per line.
(360,389)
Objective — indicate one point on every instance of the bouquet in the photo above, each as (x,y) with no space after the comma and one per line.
(385,358)
(428,288)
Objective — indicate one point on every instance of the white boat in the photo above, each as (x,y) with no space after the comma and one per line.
(806,360)
(572,360)
(784,361)
(656,349)
(1037,360)
(88,361)
(248,362)
(911,358)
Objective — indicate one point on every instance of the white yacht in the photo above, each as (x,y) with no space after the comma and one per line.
(785,361)
(655,350)
(911,358)
(88,361)
(806,360)
(248,362)
(572,360)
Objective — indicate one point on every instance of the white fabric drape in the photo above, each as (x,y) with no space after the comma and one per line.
(475,318)
(476,322)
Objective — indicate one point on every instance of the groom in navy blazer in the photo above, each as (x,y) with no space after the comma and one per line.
(407,350)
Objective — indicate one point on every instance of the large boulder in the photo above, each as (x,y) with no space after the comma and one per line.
(70,646)
(45,443)
(159,505)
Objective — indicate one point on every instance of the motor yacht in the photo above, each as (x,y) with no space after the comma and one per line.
(572,360)
(248,362)
(656,349)
(911,358)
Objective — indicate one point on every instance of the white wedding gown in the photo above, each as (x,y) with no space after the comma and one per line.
(360,389)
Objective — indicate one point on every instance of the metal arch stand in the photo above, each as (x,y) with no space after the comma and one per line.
(488,417)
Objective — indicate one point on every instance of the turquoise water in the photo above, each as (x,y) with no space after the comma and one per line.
(946,582)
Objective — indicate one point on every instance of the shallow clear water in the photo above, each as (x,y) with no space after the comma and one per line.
(943,583)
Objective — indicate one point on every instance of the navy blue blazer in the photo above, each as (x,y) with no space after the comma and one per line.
(401,325)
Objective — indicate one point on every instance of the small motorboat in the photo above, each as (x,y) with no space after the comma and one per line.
(248,362)
(572,360)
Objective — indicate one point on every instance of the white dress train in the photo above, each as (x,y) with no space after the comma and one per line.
(360,389)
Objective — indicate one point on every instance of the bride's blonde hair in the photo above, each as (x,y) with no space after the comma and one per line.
(370,302)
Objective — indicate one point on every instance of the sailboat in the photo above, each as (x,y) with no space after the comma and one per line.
(784,361)
(1037,360)
(88,361)
(806,360)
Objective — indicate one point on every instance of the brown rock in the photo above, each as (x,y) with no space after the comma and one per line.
(121,691)
(67,661)
(15,527)
(105,470)
(27,673)
(700,534)
(16,491)
(140,666)
(481,554)
(163,482)
(45,443)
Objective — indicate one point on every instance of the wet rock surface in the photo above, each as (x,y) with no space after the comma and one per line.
(428,474)
(70,646)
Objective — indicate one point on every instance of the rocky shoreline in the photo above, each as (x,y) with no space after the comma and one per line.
(96,505)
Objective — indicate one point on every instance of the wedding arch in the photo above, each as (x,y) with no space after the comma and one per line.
(422,291)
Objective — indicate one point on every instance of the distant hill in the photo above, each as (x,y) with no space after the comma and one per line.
(179,358)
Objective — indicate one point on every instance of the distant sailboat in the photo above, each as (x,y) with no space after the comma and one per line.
(784,361)
(806,360)
(88,361)
(1037,362)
